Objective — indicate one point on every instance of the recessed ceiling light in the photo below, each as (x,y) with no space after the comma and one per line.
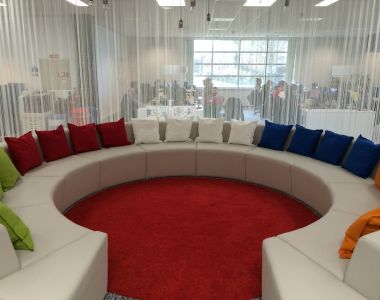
(77,2)
(168,3)
(326,2)
(259,2)
(217,29)
(222,19)
(311,19)
(3,4)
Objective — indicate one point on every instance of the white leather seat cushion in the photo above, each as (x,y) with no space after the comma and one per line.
(355,198)
(221,160)
(61,167)
(81,176)
(119,164)
(290,275)
(321,241)
(8,259)
(170,159)
(330,173)
(271,168)
(224,147)
(77,271)
(50,231)
(30,191)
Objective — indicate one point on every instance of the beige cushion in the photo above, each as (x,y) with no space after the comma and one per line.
(210,130)
(178,130)
(119,164)
(330,173)
(30,191)
(77,271)
(242,132)
(81,176)
(290,275)
(146,131)
(363,271)
(170,159)
(271,168)
(50,231)
(354,198)
(221,160)
(321,240)
(8,259)
(311,189)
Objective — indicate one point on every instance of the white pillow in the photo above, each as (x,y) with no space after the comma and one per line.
(210,130)
(242,132)
(178,130)
(146,131)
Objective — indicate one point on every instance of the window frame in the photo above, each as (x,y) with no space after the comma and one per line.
(239,53)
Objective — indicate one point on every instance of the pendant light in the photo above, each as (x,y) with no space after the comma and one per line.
(192,3)
(180,22)
(208,12)
(90,2)
(287,3)
(106,4)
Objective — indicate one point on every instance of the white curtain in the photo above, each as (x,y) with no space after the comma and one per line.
(318,66)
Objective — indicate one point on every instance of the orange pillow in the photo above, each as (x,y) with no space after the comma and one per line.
(377,178)
(365,224)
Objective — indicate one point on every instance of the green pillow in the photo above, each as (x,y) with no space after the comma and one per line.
(1,193)
(8,172)
(18,232)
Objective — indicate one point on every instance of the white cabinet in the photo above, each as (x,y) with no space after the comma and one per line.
(349,122)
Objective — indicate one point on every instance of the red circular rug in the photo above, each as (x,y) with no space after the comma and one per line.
(188,238)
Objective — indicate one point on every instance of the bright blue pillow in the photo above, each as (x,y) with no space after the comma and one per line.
(363,157)
(274,135)
(305,141)
(333,147)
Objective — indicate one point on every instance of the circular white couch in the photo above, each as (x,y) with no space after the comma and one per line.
(70,262)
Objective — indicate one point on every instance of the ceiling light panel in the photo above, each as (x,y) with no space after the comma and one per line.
(2,4)
(222,19)
(171,3)
(311,19)
(77,2)
(259,3)
(326,3)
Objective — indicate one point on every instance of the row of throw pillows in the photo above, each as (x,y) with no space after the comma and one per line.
(359,158)
(331,148)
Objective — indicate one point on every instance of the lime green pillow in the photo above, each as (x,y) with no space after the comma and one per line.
(8,172)
(1,193)
(18,231)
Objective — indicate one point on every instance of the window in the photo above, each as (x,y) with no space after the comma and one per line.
(237,63)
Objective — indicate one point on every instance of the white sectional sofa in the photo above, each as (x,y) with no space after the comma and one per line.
(70,262)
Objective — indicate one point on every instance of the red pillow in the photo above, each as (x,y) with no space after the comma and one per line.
(83,138)
(24,152)
(113,134)
(53,143)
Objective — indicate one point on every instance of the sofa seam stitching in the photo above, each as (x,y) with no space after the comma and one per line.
(303,254)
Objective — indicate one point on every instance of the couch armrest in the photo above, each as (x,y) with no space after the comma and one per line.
(363,271)
(9,262)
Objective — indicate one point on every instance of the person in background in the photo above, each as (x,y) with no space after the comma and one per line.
(129,102)
(216,102)
(315,94)
(266,99)
(255,95)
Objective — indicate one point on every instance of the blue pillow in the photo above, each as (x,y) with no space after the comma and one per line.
(332,148)
(305,141)
(363,157)
(274,135)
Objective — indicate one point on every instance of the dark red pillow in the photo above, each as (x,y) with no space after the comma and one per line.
(113,134)
(83,138)
(53,143)
(24,152)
